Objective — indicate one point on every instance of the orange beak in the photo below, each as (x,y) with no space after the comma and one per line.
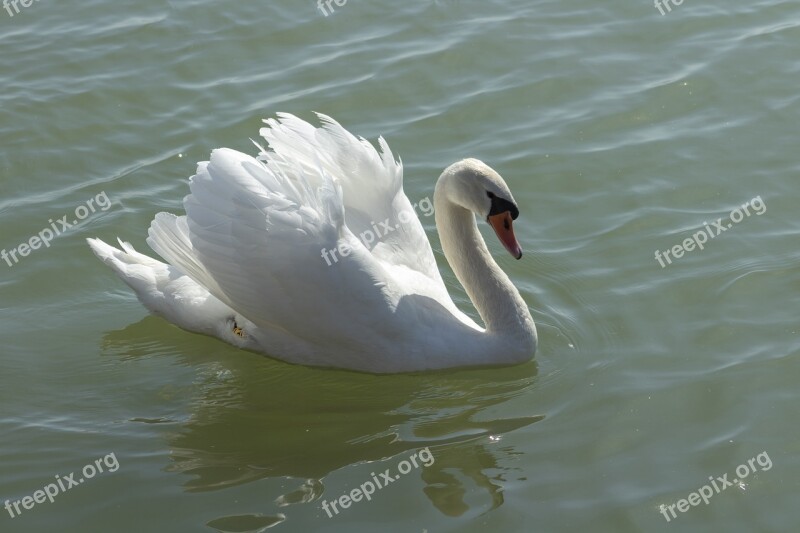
(502,226)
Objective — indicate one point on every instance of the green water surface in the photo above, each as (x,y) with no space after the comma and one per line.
(620,131)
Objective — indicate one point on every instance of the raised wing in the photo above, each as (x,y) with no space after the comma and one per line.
(265,236)
(376,208)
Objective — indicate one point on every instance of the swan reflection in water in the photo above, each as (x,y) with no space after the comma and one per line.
(253,418)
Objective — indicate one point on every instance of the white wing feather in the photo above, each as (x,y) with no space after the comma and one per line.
(255,232)
(371,183)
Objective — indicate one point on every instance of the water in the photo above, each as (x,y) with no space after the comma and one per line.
(620,131)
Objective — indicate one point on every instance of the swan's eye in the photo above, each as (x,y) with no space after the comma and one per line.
(500,205)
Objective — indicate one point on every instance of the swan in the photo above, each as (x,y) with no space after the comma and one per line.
(247,263)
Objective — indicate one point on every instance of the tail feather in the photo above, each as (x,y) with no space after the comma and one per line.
(146,276)
(168,236)
(166,291)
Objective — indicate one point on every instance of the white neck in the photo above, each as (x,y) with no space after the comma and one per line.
(497,300)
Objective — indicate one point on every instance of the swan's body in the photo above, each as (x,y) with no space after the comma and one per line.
(247,264)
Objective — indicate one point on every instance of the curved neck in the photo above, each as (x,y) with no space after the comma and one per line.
(498,302)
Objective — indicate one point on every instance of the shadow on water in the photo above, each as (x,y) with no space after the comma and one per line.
(254,418)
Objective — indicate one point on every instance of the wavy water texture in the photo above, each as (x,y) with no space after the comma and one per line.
(620,132)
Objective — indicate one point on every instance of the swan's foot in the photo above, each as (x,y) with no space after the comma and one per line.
(237,330)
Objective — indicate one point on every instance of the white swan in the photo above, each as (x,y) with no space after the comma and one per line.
(247,262)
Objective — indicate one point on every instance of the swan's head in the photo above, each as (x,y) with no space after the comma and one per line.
(474,185)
